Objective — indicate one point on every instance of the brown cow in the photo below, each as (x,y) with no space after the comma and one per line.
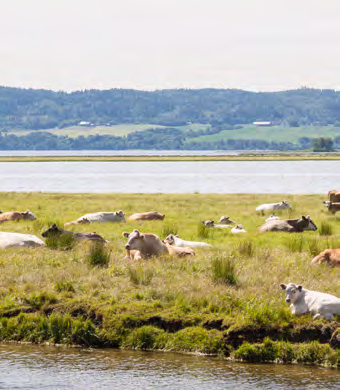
(143,245)
(148,216)
(333,204)
(16,216)
(328,256)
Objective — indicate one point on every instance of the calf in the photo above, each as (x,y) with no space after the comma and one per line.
(143,245)
(173,239)
(328,256)
(212,224)
(17,216)
(238,229)
(273,206)
(273,217)
(101,216)
(303,301)
(226,220)
(55,231)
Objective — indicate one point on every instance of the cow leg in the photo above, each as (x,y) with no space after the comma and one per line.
(317,316)
(327,316)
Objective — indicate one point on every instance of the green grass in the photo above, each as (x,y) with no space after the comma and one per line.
(271,134)
(190,304)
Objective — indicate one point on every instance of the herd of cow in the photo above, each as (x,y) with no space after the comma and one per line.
(144,245)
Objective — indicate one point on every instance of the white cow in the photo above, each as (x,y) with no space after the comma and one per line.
(238,229)
(212,224)
(102,216)
(273,217)
(173,239)
(273,206)
(12,240)
(303,301)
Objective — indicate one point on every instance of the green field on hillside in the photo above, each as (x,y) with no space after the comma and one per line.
(271,134)
(224,301)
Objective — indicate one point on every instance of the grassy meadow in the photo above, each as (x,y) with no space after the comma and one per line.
(224,301)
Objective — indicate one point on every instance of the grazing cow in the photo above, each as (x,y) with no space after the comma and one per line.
(238,229)
(143,245)
(273,206)
(12,240)
(273,217)
(173,239)
(289,225)
(303,301)
(226,220)
(16,216)
(212,224)
(102,216)
(54,231)
(328,256)
(148,216)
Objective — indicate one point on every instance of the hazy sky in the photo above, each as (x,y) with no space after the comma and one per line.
(155,44)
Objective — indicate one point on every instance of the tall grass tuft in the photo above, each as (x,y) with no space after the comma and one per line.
(98,255)
(202,230)
(64,242)
(246,248)
(140,275)
(295,242)
(224,270)
(167,229)
(325,229)
(313,246)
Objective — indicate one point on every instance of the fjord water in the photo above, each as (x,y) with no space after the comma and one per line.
(41,367)
(279,177)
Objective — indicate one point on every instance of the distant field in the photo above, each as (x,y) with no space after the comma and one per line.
(117,130)
(271,134)
(76,131)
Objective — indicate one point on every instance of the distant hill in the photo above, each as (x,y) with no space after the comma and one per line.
(42,109)
(167,119)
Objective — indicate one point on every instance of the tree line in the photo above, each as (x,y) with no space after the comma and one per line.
(43,109)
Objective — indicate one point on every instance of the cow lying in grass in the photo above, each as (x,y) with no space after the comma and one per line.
(144,245)
(238,229)
(55,231)
(17,216)
(148,216)
(18,240)
(174,240)
(226,220)
(303,301)
(328,256)
(211,224)
(102,217)
(273,206)
(289,225)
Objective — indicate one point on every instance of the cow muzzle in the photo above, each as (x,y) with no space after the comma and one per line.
(127,246)
(287,300)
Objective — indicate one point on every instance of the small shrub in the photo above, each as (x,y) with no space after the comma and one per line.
(325,229)
(64,286)
(246,248)
(64,242)
(224,270)
(140,275)
(145,338)
(98,255)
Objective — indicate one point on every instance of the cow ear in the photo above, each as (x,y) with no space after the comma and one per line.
(141,236)
(299,288)
(54,225)
(308,217)
(283,286)
(303,217)
(125,234)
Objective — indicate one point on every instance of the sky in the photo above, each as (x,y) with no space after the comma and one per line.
(258,45)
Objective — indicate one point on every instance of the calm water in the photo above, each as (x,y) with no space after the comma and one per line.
(284,177)
(33,367)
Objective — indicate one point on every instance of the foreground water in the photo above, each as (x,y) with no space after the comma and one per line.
(34,367)
(284,177)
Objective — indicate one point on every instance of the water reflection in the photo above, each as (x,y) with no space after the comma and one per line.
(23,366)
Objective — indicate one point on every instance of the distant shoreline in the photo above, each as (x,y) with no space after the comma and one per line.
(241,157)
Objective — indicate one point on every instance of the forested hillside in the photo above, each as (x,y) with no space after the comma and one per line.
(168,119)
(42,109)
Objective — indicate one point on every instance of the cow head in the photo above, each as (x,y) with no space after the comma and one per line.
(170,239)
(52,231)
(29,215)
(135,240)
(209,223)
(225,219)
(121,215)
(310,225)
(285,204)
(84,221)
(293,292)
